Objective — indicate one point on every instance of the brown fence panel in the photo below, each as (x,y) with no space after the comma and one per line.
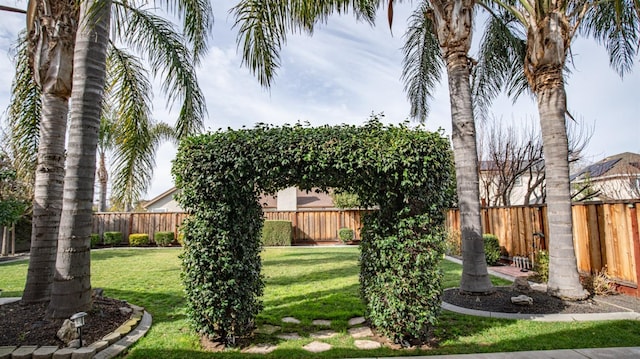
(143,222)
(603,234)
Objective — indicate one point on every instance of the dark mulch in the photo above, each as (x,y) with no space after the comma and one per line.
(500,301)
(27,325)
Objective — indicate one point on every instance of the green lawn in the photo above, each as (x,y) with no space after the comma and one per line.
(311,283)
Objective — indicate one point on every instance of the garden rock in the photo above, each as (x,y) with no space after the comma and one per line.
(125,310)
(360,332)
(324,334)
(289,336)
(67,332)
(521,284)
(321,323)
(522,300)
(290,320)
(260,349)
(356,321)
(366,344)
(267,329)
(317,347)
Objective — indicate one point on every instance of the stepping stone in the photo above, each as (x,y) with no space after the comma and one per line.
(361,332)
(317,347)
(356,321)
(324,334)
(267,329)
(289,336)
(44,352)
(321,323)
(290,320)
(367,344)
(260,349)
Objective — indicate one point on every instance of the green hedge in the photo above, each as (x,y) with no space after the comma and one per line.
(277,233)
(345,234)
(491,248)
(112,238)
(406,172)
(163,239)
(95,240)
(138,239)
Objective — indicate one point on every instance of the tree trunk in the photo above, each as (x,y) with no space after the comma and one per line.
(564,281)
(52,46)
(103,178)
(71,290)
(453,21)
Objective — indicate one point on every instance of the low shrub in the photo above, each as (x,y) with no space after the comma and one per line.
(138,239)
(180,238)
(163,239)
(277,233)
(600,283)
(95,239)
(491,248)
(112,238)
(542,266)
(453,244)
(345,234)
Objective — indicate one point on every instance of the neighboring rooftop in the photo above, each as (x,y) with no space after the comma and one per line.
(621,164)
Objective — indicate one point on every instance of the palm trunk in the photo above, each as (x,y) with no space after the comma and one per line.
(51,59)
(475,277)
(71,291)
(564,280)
(103,178)
(453,21)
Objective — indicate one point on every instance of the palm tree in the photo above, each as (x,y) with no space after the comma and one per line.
(71,289)
(549,28)
(440,30)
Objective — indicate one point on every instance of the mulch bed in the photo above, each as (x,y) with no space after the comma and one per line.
(27,325)
(500,301)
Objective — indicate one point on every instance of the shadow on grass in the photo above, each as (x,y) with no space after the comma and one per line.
(106,253)
(163,306)
(311,259)
(318,276)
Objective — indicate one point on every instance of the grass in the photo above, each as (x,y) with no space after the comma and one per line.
(311,283)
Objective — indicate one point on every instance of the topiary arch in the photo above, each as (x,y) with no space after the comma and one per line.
(407,173)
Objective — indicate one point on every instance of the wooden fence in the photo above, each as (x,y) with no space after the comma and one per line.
(604,234)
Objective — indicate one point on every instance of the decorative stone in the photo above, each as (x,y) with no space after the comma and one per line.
(133,322)
(5,352)
(316,347)
(521,284)
(67,332)
(136,308)
(321,323)
(45,352)
(125,310)
(98,292)
(24,352)
(356,321)
(267,329)
(290,320)
(360,332)
(289,336)
(112,338)
(123,330)
(324,334)
(260,349)
(100,345)
(83,353)
(522,300)
(64,353)
(367,344)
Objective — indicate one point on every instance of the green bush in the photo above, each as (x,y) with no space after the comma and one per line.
(163,239)
(453,245)
(542,266)
(345,234)
(112,238)
(491,248)
(277,233)
(95,240)
(180,238)
(138,239)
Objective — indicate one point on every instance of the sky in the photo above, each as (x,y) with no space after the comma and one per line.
(348,70)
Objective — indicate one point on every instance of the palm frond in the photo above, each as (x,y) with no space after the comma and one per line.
(24,113)
(616,24)
(133,151)
(263,26)
(169,58)
(501,60)
(422,63)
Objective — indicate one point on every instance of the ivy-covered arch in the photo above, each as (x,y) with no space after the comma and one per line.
(406,172)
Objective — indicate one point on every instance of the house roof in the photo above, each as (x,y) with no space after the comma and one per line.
(622,164)
(168,193)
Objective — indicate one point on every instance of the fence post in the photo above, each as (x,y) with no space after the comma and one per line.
(635,235)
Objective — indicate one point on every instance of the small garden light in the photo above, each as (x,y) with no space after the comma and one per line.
(78,322)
